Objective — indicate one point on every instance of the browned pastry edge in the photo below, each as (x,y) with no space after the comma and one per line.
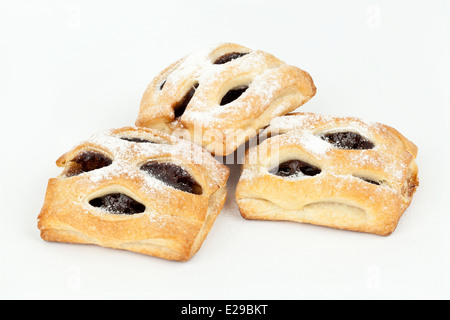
(274,88)
(174,223)
(341,196)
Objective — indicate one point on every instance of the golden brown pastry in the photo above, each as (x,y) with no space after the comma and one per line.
(338,172)
(136,189)
(221,96)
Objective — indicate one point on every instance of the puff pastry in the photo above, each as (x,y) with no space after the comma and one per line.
(337,172)
(136,189)
(222,96)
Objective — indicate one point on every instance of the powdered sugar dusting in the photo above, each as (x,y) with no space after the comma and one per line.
(387,162)
(128,156)
(256,69)
(308,140)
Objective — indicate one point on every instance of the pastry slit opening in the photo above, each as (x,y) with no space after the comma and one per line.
(136,140)
(229,57)
(232,95)
(180,107)
(162,85)
(172,175)
(85,162)
(118,203)
(370,181)
(295,167)
(348,140)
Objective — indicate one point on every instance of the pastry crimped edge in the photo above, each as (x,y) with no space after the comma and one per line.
(275,88)
(333,199)
(174,224)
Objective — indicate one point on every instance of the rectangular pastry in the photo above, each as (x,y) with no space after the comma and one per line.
(135,189)
(339,172)
(223,95)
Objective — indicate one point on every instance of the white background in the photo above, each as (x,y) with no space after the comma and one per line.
(69,69)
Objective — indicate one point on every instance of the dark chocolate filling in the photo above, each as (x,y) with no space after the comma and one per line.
(118,203)
(228,57)
(87,161)
(137,140)
(292,167)
(348,140)
(181,105)
(172,175)
(232,95)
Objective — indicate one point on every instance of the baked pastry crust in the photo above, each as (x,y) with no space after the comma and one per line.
(364,190)
(200,81)
(174,223)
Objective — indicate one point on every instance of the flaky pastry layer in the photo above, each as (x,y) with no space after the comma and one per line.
(174,223)
(364,190)
(198,84)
